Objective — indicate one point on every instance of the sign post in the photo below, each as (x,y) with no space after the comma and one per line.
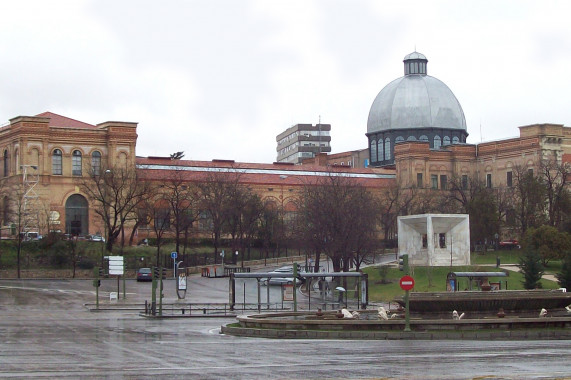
(406,283)
(116,267)
(295,287)
(181,282)
(173,257)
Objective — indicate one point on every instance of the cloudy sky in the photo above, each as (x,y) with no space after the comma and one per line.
(220,79)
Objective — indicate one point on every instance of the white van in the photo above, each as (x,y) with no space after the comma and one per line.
(30,235)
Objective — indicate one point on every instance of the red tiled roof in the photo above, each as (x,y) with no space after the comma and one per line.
(155,168)
(65,122)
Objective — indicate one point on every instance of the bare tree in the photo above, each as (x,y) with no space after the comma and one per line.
(242,219)
(554,177)
(339,218)
(395,201)
(16,210)
(216,192)
(480,203)
(183,199)
(267,226)
(116,193)
(529,198)
(161,221)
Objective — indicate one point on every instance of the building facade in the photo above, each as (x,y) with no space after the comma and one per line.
(494,163)
(303,141)
(43,157)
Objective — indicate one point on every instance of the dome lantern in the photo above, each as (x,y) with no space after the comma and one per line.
(415,64)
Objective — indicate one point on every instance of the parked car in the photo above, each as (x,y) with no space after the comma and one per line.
(30,235)
(509,244)
(284,280)
(144,274)
(97,238)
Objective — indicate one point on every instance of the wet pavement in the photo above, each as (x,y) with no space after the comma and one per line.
(46,332)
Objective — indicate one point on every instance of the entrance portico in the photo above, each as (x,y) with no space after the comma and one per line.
(435,239)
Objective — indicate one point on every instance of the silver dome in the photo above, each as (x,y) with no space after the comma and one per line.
(415,55)
(415,101)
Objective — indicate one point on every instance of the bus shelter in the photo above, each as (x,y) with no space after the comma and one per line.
(481,279)
(318,287)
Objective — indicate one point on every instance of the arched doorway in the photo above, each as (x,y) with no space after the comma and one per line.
(76,215)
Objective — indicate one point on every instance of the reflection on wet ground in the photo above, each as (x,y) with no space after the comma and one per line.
(48,333)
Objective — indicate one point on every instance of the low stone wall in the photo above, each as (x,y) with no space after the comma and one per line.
(303,325)
(538,334)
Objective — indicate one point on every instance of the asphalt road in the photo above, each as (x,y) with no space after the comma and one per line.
(46,332)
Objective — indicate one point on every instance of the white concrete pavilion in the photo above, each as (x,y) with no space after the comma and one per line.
(435,239)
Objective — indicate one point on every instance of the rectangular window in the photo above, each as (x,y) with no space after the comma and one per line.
(465,182)
(56,165)
(489,181)
(434,181)
(530,172)
(442,240)
(443,182)
(419,182)
(509,179)
(76,165)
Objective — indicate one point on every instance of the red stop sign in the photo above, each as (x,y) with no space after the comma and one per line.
(406,283)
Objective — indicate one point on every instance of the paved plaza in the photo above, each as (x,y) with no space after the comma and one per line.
(47,332)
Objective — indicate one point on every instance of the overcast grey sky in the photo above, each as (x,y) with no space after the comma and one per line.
(220,79)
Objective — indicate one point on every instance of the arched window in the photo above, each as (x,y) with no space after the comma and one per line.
(455,140)
(56,162)
(446,140)
(96,163)
(380,149)
(374,151)
(387,149)
(6,163)
(423,138)
(411,138)
(399,139)
(76,216)
(437,142)
(76,163)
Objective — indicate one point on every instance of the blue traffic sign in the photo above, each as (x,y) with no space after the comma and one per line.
(173,255)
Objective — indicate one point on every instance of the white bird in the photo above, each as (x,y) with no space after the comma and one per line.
(543,313)
(568,308)
(456,316)
(383,313)
(346,314)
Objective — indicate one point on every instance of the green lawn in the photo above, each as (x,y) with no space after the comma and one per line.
(435,280)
